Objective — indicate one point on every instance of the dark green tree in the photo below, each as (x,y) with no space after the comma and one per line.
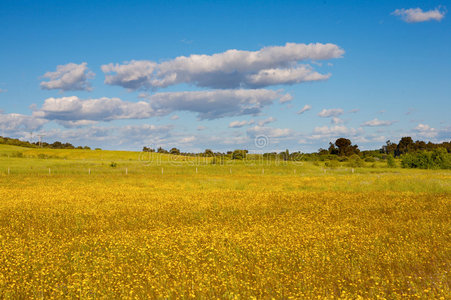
(404,145)
(174,151)
(345,147)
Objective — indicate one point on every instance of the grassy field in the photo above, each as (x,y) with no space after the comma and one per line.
(175,227)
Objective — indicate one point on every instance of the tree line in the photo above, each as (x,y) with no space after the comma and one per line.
(412,154)
(54,145)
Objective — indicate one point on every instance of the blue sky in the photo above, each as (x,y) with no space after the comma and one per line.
(220,75)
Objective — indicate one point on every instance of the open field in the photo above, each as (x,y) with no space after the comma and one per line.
(238,230)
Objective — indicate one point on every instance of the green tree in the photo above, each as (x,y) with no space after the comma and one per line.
(208,152)
(174,151)
(404,145)
(239,154)
(345,147)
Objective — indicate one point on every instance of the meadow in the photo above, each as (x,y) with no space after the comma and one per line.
(112,224)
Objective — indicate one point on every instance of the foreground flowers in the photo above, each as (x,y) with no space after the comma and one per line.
(224,236)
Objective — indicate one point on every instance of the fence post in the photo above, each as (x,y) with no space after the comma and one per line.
(162,172)
(49,171)
(126,171)
(8,171)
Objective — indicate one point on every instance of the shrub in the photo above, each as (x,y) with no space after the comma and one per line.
(113,164)
(355,161)
(437,159)
(333,164)
(391,163)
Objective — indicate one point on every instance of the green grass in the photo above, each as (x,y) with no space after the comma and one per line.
(239,174)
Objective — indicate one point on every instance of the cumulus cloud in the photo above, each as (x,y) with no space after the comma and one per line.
(70,77)
(304,109)
(285,76)
(9,122)
(333,112)
(376,122)
(426,130)
(416,15)
(73,111)
(214,104)
(101,109)
(3,91)
(230,69)
(131,75)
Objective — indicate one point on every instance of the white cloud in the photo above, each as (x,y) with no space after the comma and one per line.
(187,140)
(200,128)
(102,109)
(336,120)
(416,15)
(269,132)
(333,112)
(175,117)
(293,75)
(207,104)
(376,138)
(10,123)
(230,69)
(70,77)
(266,121)
(132,75)
(239,124)
(285,98)
(325,132)
(215,103)
(78,123)
(426,130)
(3,91)
(304,109)
(130,136)
(376,122)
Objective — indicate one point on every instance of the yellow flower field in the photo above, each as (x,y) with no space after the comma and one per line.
(225,236)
